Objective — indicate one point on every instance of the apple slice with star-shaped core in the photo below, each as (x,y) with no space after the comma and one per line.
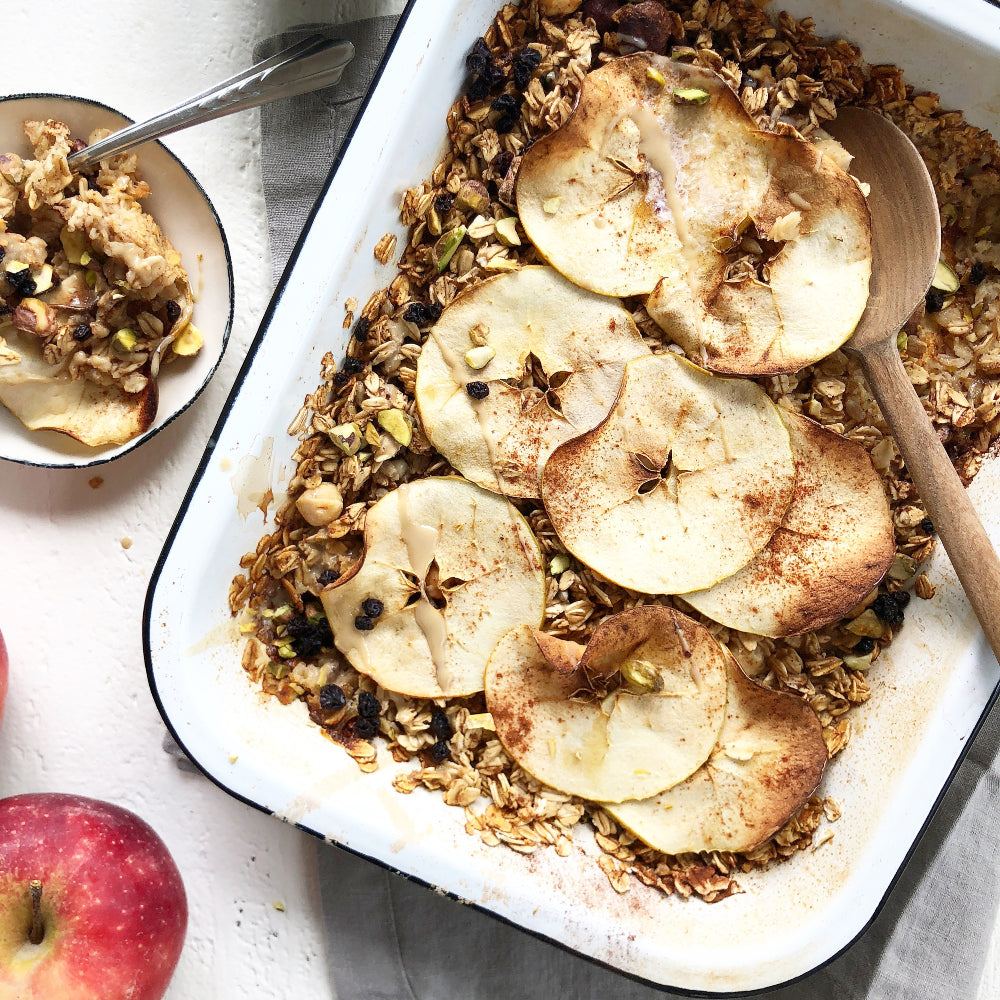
(834,545)
(756,247)
(550,356)
(636,710)
(769,759)
(450,568)
(44,397)
(682,484)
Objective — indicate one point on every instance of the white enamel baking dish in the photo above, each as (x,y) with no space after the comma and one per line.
(930,692)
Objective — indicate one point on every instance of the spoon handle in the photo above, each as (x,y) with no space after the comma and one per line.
(315,62)
(943,495)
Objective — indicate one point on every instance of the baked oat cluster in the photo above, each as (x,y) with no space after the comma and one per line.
(93,296)
(438,411)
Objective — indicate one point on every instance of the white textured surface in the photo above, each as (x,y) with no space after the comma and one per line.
(79,714)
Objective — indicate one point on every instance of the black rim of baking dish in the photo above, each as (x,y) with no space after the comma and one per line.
(178,520)
(89,463)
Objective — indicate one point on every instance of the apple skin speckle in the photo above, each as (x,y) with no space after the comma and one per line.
(113,904)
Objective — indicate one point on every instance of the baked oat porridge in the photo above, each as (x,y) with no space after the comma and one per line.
(95,298)
(480,473)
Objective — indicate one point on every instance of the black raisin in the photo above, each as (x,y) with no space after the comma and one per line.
(364,624)
(372,607)
(477,390)
(977,273)
(365,729)
(309,635)
(434,310)
(927,526)
(502,161)
(21,281)
(368,705)
(901,597)
(173,311)
(416,312)
(440,752)
(934,300)
(525,63)
(440,726)
(81,332)
(341,379)
(496,74)
(506,123)
(479,58)
(887,609)
(479,89)
(352,366)
(332,697)
(327,577)
(361,329)
(506,103)
(443,203)
(864,646)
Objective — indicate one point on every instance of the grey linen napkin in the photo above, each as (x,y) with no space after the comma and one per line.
(389,939)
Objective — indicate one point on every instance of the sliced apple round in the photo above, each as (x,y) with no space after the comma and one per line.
(498,332)
(680,486)
(454,567)
(756,246)
(834,545)
(639,708)
(43,397)
(769,759)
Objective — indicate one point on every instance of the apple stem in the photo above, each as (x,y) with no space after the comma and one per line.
(37,931)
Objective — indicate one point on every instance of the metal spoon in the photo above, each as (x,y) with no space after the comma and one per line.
(315,62)
(906,244)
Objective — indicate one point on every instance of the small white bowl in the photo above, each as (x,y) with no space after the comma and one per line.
(187,217)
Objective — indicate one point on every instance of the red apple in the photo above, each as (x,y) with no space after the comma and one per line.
(111,913)
(3,675)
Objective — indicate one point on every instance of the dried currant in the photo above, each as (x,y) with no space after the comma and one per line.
(479,58)
(22,282)
(368,705)
(365,729)
(887,609)
(173,313)
(440,726)
(361,329)
(332,697)
(309,635)
(523,65)
(372,607)
(443,203)
(934,300)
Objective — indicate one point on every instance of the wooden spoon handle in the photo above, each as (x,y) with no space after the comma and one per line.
(940,489)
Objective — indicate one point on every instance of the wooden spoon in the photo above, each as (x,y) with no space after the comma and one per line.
(906,244)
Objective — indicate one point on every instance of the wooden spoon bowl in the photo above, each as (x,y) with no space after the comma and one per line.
(906,244)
